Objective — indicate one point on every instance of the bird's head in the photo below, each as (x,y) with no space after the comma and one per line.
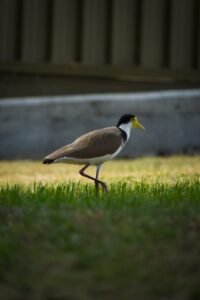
(130,119)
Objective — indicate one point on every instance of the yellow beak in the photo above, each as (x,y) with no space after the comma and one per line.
(137,124)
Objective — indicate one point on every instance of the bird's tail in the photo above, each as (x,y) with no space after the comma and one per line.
(48,161)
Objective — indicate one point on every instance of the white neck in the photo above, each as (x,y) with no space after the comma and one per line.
(127,128)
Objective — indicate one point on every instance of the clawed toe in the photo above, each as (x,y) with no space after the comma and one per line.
(104,187)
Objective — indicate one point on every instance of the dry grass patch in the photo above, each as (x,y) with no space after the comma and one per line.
(148,169)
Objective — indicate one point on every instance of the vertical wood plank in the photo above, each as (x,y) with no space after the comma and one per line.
(64,31)
(152,33)
(123,32)
(182,46)
(8,29)
(34,33)
(94,32)
(198,35)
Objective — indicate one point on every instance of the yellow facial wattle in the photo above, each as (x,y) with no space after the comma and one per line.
(137,124)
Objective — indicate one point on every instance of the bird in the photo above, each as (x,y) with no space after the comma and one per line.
(96,147)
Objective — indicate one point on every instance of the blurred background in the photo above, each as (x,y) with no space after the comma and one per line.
(70,66)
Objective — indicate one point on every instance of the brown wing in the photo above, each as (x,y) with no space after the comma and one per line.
(93,144)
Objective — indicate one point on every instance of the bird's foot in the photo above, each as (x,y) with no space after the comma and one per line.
(104,187)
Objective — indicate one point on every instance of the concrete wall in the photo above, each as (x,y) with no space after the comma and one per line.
(33,127)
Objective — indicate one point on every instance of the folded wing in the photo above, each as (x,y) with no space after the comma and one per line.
(96,143)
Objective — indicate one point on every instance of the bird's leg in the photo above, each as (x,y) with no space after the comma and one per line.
(97,175)
(97,181)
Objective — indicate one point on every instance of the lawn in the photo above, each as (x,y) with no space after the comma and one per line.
(59,240)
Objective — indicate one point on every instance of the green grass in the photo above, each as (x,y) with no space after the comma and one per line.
(139,241)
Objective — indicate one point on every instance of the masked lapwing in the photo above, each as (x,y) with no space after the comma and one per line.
(96,147)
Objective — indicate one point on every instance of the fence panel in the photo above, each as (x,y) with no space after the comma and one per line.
(8,29)
(35,30)
(152,33)
(144,35)
(198,35)
(123,35)
(94,27)
(182,28)
(65,31)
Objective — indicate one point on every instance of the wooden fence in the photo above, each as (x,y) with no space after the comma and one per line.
(159,38)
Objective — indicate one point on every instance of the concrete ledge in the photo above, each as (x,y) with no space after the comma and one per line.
(33,127)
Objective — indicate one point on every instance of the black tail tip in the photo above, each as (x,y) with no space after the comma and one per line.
(47,161)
